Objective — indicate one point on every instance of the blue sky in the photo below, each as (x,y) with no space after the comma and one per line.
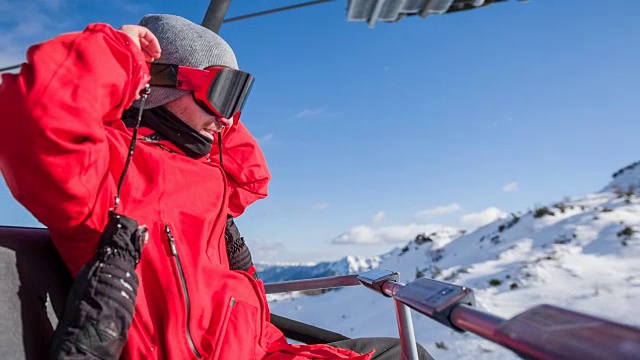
(453,120)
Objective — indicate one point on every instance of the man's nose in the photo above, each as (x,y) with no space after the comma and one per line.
(224,121)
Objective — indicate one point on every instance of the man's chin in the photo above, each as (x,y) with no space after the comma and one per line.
(207,134)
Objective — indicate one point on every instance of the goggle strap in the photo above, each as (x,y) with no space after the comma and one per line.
(178,77)
(164,75)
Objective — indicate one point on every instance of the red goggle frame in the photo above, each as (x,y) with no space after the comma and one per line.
(220,91)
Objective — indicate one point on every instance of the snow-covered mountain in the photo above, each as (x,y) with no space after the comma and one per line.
(626,179)
(274,272)
(286,271)
(582,253)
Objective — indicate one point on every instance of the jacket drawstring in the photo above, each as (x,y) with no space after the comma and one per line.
(132,146)
(220,148)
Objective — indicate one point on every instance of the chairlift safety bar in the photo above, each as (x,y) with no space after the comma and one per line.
(312,284)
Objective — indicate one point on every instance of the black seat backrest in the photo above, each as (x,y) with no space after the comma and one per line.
(34,283)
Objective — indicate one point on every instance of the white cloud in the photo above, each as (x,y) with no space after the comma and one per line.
(379,216)
(310,112)
(511,187)
(484,217)
(52,4)
(365,235)
(437,211)
(265,139)
(358,235)
(132,7)
(267,251)
(320,206)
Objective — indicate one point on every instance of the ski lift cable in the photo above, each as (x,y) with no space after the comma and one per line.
(232,19)
(271,11)
(10,67)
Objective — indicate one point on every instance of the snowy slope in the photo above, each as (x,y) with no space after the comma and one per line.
(581,254)
(625,179)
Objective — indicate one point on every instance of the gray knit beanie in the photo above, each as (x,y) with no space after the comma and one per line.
(184,43)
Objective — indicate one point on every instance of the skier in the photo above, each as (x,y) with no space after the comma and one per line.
(64,140)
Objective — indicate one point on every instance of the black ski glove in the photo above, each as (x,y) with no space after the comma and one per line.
(101,303)
(237,250)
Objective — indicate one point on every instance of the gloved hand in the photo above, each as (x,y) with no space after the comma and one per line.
(238,252)
(101,303)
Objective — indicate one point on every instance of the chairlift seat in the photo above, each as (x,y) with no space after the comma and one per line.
(33,291)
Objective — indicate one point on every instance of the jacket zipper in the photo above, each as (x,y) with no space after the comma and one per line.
(174,252)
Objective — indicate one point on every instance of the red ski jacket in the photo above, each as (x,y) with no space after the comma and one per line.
(62,150)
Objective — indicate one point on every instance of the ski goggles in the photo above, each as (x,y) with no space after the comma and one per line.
(218,90)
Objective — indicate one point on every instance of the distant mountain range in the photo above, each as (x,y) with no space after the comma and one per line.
(285,272)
